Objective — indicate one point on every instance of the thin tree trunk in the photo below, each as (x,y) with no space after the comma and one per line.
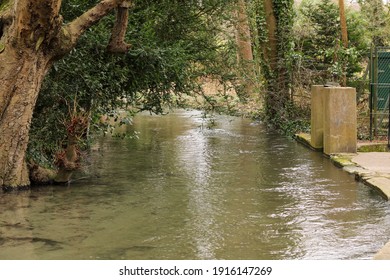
(343,24)
(271,49)
(244,52)
(344,37)
(243,35)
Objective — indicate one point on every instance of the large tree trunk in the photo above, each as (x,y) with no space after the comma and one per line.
(21,76)
(32,36)
(24,61)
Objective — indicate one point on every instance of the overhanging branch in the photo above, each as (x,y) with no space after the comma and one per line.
(78,26)
(117,42)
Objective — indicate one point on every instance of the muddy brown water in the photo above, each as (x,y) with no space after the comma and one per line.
(184,191)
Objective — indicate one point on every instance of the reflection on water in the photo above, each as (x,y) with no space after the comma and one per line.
(182,191)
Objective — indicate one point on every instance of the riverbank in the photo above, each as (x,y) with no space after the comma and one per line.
(370,168)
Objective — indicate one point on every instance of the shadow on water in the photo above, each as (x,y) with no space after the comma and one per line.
(182,191)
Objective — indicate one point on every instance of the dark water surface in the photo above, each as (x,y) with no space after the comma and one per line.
(183,191)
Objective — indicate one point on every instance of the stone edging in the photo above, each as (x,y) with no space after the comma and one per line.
(376,180)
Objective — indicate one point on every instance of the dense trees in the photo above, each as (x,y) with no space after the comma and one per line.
(319,47)
(377,20)
(305,44)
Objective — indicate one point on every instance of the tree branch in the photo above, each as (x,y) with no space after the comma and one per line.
(78,26)
(117,42)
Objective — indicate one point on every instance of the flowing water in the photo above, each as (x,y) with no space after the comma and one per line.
(184,191)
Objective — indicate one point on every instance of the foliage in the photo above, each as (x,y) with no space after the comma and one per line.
(376,17)
(294,119)
(318,46)
(173,44)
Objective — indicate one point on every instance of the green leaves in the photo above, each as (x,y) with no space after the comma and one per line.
(174,42)
(317,38)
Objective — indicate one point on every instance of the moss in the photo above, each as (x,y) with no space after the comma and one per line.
(374,148)
(342,160)
(305,139)
(40,175)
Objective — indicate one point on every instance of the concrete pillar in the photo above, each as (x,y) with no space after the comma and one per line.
(339,120)
(317,116)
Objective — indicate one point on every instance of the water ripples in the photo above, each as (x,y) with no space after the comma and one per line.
(183,191)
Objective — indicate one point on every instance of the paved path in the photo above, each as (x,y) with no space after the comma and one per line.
(375,161)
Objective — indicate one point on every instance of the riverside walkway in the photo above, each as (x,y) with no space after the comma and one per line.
(371,168)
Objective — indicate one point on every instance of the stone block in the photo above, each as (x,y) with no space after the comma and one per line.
(339,120)
(317,116)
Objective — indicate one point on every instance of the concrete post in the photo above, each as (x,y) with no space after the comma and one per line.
(339,120)
(317,116)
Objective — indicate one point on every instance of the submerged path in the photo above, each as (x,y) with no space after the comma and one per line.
(371,168)
(189,187)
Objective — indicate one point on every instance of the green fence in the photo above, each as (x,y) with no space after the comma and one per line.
(379,92)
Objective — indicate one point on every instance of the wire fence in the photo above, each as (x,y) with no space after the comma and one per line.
(379,93)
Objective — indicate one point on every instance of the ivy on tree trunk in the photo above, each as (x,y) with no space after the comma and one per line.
(278,17)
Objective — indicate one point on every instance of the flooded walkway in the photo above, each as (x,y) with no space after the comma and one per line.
(184,191)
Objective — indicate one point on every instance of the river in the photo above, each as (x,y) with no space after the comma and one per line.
(182,190)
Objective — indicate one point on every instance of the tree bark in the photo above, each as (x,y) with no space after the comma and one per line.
(343,24)
(68,162)
(117,42)
(344,37)
(32,37)
(271,50)
(273,98)
(21,80)
(244,51)
(23,66)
